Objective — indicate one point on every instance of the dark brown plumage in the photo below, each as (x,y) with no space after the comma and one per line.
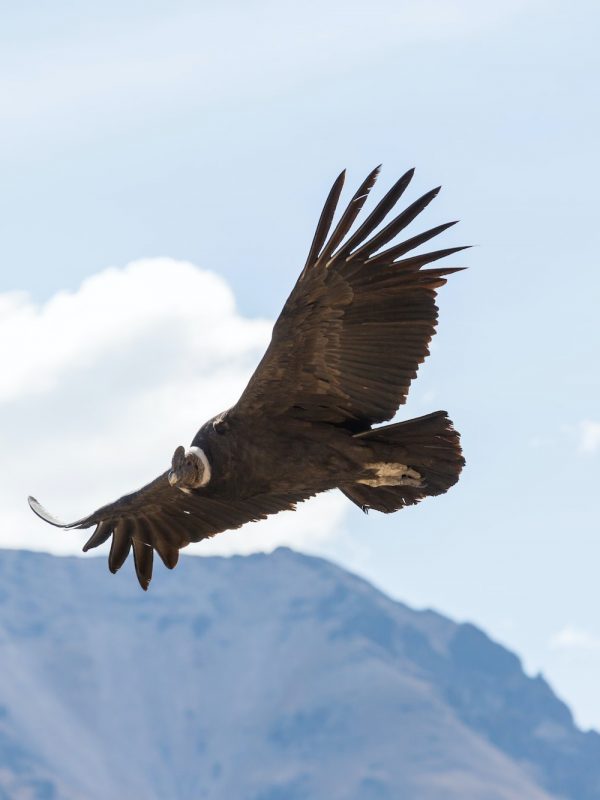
(343,353)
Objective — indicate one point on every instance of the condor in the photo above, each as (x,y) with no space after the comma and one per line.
(342,356)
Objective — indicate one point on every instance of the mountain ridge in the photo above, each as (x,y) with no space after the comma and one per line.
(264,677)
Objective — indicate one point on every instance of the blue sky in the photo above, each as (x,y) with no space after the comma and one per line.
(211,135)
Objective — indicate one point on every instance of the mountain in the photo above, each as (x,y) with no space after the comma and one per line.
(268,677)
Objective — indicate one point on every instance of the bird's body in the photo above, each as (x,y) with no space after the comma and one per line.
(291,455)
(343,353)
(285,456)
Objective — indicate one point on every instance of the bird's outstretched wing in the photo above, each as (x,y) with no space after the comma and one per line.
(359,320)
(162,518)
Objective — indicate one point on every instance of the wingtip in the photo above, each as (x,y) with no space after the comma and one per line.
(406,177)
(34,505)
(403,182)
(372,177)
(39,510)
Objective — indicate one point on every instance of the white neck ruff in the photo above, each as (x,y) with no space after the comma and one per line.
(199,453)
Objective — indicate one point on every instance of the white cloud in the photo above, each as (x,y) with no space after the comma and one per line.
(570,638)
(589,436)
(97,387)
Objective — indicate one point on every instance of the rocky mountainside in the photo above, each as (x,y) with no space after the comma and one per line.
(278,677)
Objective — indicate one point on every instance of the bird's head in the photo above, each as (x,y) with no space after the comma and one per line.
(189,468)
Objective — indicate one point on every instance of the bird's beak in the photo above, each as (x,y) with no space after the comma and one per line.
(173,479)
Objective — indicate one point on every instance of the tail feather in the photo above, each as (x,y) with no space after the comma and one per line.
(428,445)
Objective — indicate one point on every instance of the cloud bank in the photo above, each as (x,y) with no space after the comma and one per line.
(98,386)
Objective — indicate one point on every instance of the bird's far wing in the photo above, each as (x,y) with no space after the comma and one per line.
(358,322)
(163,518)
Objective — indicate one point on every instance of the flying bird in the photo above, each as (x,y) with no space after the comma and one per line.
(342,356)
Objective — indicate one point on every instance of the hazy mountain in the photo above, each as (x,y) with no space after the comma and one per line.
(276,677)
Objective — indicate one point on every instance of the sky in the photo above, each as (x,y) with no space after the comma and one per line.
(163,166)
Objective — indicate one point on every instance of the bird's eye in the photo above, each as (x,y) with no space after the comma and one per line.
(221,426)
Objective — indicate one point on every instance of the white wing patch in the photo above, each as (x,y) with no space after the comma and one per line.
(386,473)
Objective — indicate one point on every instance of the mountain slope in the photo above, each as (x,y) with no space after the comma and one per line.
(276,677)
